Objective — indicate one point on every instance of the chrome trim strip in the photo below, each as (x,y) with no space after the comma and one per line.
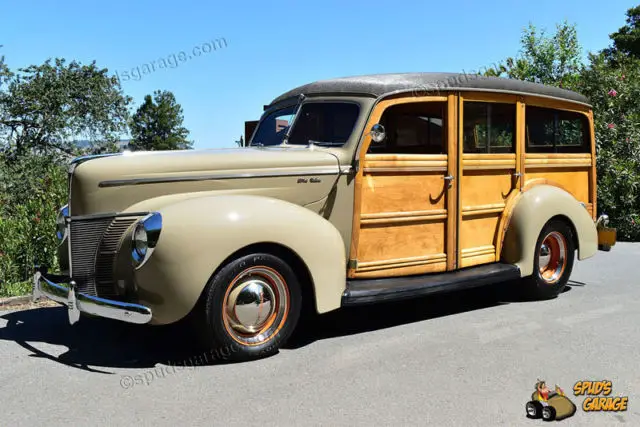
(212,177)
(62,293)
(101,215)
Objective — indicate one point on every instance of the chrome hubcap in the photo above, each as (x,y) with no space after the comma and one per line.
(256,305)
(552,257)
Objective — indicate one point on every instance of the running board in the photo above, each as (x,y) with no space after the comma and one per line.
(368,291)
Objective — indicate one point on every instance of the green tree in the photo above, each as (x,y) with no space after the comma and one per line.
(611,80)
(612,85)
(627,39)
(548,59)
(45,107)
(157,124)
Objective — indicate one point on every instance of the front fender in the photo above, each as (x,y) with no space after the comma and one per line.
(198,234)
(534,208)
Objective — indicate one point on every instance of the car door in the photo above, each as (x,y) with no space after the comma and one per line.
(405,200)
(489,172)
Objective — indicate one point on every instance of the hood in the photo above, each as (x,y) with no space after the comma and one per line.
(117,183)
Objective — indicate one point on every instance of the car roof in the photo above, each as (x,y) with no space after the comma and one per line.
(382,85)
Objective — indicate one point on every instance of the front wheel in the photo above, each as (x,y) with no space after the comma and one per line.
(553,261)
(251,307)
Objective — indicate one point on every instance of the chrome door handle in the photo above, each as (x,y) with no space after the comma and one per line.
(448,178)
(517,174)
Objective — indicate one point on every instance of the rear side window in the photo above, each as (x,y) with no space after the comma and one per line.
(556,131)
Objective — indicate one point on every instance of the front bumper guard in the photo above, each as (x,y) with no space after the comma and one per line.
(63,290)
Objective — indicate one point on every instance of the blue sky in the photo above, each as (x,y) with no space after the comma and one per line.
(275,46)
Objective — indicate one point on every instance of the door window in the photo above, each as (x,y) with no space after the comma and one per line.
(413,129)
(489,127)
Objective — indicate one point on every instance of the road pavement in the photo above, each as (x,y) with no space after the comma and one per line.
(461,359)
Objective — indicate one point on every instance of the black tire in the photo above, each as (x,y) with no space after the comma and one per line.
(218,323)
(548,413)
(548,282)
(534,409)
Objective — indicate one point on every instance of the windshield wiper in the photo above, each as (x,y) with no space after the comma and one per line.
(285,140)
(325,143)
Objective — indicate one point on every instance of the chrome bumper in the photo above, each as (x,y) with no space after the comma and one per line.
(65,293)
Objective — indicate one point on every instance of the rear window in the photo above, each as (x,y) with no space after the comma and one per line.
(556,131)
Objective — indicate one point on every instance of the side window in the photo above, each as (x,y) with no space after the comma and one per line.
(413,129)
(489,127)
(556,131)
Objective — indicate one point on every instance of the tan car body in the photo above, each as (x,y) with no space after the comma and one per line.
(216,203)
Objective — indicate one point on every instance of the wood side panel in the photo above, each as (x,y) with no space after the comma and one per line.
(402,208)
(388,242)
(403,192)
(396,270)
(459,157)
(594,173)
(484,187)
(452,200)
(490,97)
(487,181)
(573,180)
(520,142)
(479,231)
(536,101)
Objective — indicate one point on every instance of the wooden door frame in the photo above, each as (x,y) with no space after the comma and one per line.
(519,103)
(452,168)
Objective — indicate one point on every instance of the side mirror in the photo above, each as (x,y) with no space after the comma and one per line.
(378,133)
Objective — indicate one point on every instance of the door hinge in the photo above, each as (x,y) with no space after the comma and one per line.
(353,264)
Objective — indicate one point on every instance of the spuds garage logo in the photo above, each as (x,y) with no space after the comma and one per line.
(553,404)
(599,396)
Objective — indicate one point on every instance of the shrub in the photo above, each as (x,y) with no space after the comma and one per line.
(32,189)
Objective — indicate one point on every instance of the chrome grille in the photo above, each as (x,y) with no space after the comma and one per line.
(107,252)
(94,242)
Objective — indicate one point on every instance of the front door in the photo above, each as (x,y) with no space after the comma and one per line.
(405,209)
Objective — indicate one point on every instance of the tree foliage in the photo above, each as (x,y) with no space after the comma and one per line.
(613,87)
(627,39)
(553,60)
(157,124)
(45,107)
(611,80)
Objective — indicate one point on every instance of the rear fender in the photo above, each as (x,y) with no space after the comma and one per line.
(533,209)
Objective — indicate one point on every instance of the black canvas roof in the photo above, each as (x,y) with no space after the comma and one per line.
(379,85)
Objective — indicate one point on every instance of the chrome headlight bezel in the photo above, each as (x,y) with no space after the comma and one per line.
(144,238)
(61,222)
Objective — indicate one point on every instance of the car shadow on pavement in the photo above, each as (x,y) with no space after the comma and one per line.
(366,318)
(96,344)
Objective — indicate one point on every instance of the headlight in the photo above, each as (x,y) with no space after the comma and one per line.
(61,222)
(145,238)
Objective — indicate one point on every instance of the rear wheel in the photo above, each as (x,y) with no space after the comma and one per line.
(251,307)
(548,413)
(553,261)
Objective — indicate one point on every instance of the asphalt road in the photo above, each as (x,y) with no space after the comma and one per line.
(463,359)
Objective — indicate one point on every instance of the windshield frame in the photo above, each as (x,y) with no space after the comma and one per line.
(297,108)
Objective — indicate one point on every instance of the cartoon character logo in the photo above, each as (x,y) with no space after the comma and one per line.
(549,404)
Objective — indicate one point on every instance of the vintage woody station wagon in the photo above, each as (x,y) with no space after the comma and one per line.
(353,191)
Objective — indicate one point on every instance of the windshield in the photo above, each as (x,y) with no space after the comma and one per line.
(321,123)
